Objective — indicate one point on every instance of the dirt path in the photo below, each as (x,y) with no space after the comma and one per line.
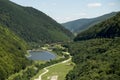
(46,70)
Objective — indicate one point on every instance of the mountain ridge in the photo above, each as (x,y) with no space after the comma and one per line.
(79,25)
(28,22)
(109,28)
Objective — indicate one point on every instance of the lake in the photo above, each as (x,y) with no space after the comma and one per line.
(41,55)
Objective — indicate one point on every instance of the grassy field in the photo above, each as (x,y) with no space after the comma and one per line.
(59,70)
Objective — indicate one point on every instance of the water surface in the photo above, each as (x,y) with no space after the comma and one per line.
(41,55)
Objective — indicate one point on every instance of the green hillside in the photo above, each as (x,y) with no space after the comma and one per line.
(107,29)
(31,24)
(95,59)
(83,24)
(12,53)
(96,52)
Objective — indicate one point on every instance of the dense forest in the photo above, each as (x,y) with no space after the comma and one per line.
(30,24)
(12,53)
(97,52)
(96,59)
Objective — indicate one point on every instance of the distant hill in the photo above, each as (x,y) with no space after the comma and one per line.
(12,53)
(30,24)
(82,24)
(109,28)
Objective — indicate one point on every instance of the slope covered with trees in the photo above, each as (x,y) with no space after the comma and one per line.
(83,24)
(106,29)
(96,52)
(96,59)
(31,24)
(12,53)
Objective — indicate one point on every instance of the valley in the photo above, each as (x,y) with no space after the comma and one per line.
(43,65)
(34,46)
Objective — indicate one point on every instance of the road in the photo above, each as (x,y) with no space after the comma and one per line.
(46,70)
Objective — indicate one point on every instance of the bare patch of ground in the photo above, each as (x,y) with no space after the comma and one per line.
(55,77)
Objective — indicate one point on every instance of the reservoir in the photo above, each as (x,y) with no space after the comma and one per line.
(41,55)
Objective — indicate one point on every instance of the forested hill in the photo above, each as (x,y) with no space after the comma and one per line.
(95,59)
(12,53)
(96,52)
(109,28)
(30,24)
(79,25)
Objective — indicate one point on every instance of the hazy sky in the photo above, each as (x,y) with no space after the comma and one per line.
(67,10)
